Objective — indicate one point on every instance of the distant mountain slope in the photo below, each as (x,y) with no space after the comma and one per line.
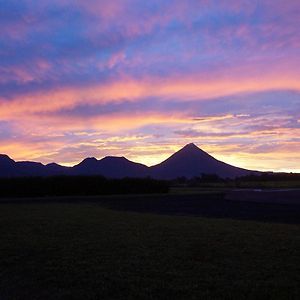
(189,162)
(111,167)
(7,166)
(11,168)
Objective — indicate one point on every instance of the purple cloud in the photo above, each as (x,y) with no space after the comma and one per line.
(224,74)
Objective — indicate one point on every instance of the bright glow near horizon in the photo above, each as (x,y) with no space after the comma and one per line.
(142,79)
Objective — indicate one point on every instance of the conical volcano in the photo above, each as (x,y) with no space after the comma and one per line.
(188,162)
(191,161)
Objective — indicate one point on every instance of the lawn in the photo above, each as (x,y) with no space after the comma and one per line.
(84,251)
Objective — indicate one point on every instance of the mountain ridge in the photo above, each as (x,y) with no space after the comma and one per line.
(189,161)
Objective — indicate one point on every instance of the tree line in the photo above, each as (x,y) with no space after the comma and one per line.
(78,186)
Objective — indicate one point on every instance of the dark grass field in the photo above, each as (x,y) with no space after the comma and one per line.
(267,206)
(81,250)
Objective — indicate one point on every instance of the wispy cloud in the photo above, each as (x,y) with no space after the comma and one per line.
(142,78)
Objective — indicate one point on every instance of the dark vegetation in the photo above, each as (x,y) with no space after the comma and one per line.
(78,185)
(82,251)
(99,185)
(262,180)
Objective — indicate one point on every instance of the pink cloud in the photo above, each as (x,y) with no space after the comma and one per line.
(246,79)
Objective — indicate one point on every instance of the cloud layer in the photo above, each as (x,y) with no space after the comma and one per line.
(142,78)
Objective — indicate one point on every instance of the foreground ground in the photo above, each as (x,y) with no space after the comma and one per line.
(80,250)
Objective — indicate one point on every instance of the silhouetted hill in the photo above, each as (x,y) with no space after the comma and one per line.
(189,162)
(5,160)
(10,168)
(29,168)
(7,166)
(88,166)
(54,169)
(110,167)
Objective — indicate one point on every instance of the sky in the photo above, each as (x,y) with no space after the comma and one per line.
(141,79)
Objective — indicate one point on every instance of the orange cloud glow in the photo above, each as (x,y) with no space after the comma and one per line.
(133,90)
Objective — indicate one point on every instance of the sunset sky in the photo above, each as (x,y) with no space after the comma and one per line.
(144,78)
